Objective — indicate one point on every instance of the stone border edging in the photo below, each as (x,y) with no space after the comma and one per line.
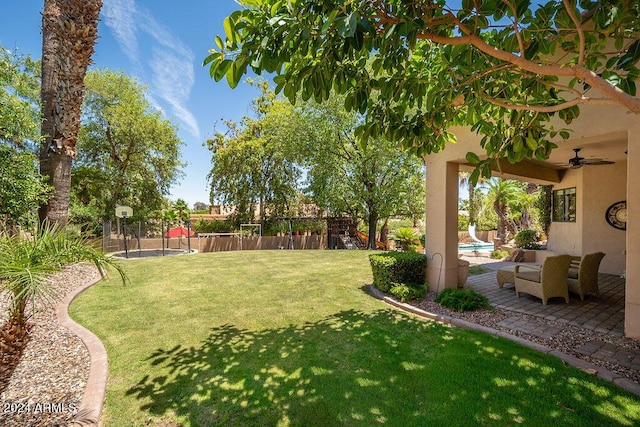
(95,389)
(583,365)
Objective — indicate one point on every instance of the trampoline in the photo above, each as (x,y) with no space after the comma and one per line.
(148,253)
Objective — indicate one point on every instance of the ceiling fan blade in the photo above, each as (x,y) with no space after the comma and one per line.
(595,162)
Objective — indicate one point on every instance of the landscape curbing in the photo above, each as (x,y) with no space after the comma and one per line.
(94,392)
(583,365)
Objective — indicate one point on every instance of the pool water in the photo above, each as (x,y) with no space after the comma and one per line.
(475,247)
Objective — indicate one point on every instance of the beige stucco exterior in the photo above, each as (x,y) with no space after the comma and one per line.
(600,131)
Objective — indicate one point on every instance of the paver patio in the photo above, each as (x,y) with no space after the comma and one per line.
(603,314)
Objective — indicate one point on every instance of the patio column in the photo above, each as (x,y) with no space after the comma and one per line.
(632,292)
(441,240)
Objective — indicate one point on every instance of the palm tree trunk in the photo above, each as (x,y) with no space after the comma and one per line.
(69,31)
(525,218)
(384,231)
(501,212)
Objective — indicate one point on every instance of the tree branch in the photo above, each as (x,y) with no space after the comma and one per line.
(551,108)
(515,26)
(578,23)
(616,95)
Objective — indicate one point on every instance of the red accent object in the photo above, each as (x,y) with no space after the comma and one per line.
(179,231)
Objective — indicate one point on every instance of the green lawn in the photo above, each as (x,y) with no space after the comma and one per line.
(292,338)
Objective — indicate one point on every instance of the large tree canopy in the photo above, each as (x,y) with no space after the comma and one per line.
(19,94)
(254,161)
(263,161)
(128,154)
(369,182)
(418,67)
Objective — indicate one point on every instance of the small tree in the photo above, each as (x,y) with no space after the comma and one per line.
(407,239)
(371,181)
(201,207)
(502,194)
(182,210)
(253,163)
(25,265)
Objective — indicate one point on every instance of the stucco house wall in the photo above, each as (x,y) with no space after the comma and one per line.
(566,237)
(603,186)
(597,188)
(598,129)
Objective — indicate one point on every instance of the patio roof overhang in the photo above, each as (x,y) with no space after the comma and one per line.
(612,146)
(527,170)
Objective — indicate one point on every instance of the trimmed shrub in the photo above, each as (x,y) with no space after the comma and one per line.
(391,268)
(527,239)
(462,299)
(405,292)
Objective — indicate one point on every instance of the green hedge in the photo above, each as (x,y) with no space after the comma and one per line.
(392,268)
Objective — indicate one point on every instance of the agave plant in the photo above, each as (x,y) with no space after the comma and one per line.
(27,263)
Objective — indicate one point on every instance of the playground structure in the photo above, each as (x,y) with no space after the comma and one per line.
(341,233)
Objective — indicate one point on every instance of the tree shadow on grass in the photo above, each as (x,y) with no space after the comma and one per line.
(356,368)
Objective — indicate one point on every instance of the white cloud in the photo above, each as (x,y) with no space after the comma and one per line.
(173,78)
(171,64)
(120,18)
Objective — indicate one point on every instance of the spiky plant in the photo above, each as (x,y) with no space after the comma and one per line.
(407,239)
(27,263)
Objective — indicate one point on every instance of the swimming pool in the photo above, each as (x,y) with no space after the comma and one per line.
(488,247)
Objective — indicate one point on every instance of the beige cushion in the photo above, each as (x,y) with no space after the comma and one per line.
(530,275)
(573,273)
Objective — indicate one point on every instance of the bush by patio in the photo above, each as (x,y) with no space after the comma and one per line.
(392,268)
(462,299)
(528,239)
(408,292)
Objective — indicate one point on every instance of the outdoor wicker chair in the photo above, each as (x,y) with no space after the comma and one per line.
(547,281)
(583,277)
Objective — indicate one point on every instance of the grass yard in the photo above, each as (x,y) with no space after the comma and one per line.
(291,338)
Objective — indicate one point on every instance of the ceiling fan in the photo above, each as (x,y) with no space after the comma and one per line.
(577,162)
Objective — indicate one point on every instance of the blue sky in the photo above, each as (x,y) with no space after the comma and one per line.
(161,43)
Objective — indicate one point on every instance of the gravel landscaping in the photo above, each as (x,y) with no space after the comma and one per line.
(567,339)
(47,385)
